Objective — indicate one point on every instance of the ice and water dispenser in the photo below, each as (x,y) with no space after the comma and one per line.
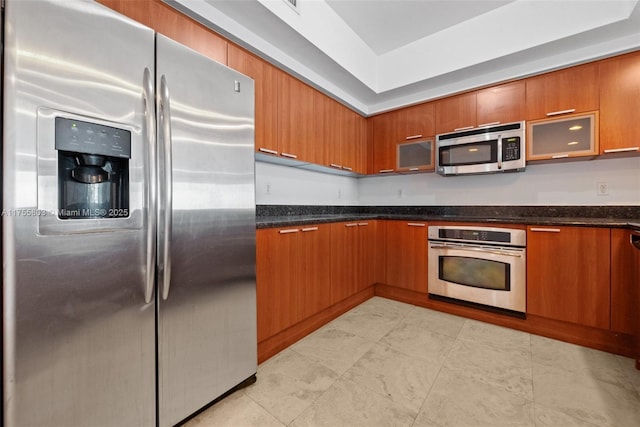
(93,170)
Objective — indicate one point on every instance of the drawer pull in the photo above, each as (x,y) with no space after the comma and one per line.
(488,124)
(414,169)
(291,156)
(413,137)
(266,150)
(335,165)
(415,224)
(291,230)
(347,168)
(385,170)
(362,224)
(560,156)
(351,225)
(545,230)
(310,229)
(622,150)
(558,113)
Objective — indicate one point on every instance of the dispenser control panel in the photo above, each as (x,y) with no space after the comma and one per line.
(91,138)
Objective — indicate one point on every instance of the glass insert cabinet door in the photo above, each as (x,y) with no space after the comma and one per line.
(475,272)
(574,135)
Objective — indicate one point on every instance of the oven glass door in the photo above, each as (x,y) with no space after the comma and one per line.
(475,272)
(473,153)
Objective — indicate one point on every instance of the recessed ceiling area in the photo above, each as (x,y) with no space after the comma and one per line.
(377,55)
(388,25)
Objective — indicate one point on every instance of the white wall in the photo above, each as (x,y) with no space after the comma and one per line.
(570,183)
(283,185)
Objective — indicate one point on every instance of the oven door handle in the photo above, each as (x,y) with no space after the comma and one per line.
(516,254)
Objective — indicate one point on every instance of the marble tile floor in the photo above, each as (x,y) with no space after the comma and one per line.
(386,363)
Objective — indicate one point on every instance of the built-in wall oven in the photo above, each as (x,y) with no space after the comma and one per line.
(481,265)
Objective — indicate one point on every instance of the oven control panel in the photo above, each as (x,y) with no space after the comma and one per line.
(491,235)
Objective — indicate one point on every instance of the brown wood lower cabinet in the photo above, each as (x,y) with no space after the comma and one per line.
(406,255)
(568,274)
(355,258)
(624,282)
(292,276)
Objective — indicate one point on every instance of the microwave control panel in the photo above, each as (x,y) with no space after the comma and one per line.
(511,148)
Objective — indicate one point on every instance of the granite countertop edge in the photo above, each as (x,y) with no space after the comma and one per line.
(301,220)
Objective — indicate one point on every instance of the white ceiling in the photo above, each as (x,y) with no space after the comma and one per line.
(388,25)
(376,55)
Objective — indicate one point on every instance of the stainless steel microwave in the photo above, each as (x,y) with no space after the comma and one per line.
(490,149)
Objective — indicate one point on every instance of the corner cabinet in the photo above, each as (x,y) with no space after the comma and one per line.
(568,274)
(620,104)
(409,131)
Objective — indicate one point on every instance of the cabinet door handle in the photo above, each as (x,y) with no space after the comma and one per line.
(335,165)
(415,224)
(291,156)
(362,224)
(310,229)
(288,231)
(413,137)
(558,113)
(463,128)
(621,150)
(545,230)
(488,124)
(385,170)
(414,169)
(351,225)
(560,156)
(266,150)
(347,168)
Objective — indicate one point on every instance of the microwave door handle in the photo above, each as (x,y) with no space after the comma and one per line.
(499,151)
(515,254)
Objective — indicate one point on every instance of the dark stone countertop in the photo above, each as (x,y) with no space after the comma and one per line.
(583,216)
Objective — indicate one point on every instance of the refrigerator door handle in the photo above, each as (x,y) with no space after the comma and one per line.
(152,195)
(167,177)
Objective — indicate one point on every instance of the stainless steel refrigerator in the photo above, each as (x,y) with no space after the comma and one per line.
(128,228)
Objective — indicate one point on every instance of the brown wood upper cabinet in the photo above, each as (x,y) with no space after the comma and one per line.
(490,106)
(266,80)
(405,126)
(297,113)
(572,90)
(568,274)
(619,104)
(342,136)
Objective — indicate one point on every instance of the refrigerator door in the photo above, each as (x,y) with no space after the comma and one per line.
(79,339)
(206,301)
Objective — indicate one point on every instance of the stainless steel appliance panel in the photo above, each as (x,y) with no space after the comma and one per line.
(79,343)
(206,304)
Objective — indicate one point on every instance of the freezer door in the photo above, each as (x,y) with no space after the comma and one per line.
(207,303)
(79,338)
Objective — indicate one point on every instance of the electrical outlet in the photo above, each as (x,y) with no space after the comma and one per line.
(602,189)
(267,189)
(339,193)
